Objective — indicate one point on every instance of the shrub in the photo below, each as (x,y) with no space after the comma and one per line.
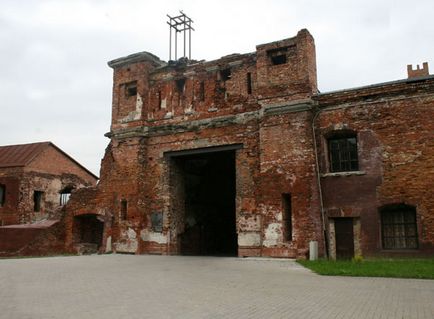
(357,259)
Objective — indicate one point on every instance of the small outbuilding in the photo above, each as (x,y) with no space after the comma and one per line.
(36,181)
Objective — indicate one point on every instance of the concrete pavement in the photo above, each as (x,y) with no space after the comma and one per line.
(128,286)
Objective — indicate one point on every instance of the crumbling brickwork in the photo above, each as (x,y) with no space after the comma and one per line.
(48,170)
(395,137)
(179,130)
(33,180)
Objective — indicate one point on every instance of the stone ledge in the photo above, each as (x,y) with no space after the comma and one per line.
(134,58)
(349,173)
(220,121)
(287,107)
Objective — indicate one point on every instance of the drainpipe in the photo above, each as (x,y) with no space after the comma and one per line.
(318,178)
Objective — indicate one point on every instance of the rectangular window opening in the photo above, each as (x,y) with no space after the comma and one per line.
(399,228)
(157,222)
(249,83)
(159,99)
(287,216)
(225,74)
(202,91)
(180,85)
(124,209)
(2,195)
(65,194)
(278,59)
(64,198)
(278,56)
(131,89)
(37,200)
(343,154)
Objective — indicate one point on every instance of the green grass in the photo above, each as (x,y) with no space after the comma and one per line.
(398,268)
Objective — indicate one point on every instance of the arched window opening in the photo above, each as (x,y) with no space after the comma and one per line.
(65,194)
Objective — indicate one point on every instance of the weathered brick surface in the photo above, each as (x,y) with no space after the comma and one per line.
(418,72)
(56,163)
(50,172)
(395,135)
(10,178)
(265,109)
(33,240)
(191,105)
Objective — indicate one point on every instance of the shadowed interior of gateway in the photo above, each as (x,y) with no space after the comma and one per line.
(209,203)
(88,230)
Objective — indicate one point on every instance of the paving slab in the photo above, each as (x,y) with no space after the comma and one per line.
(144,286)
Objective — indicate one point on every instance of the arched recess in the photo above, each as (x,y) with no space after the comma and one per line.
(88,230)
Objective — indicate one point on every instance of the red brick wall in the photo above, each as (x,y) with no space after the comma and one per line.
(30,241)
(50,173)
(9,211)
(51,161)
(273,125)
(395,135)
(171,113)
(287,165)
(298,78)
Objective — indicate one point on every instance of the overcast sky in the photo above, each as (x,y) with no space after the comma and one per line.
(55,84)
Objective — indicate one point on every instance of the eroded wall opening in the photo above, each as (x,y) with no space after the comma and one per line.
(206,203)
(88,233)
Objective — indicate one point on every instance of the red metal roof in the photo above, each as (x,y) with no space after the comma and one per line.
(20,155)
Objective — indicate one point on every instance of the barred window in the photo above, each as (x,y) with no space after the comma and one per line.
(398,227)
(343,153)
(65,194)
(124,209)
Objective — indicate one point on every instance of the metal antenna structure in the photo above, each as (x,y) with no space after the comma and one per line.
(178,24)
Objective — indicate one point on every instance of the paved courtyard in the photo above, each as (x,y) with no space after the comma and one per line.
(127,286)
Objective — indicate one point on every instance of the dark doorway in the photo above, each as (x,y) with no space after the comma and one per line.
(344,238)
(208,182)
(88,230)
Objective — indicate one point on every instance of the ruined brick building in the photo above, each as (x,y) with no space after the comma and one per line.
(36,181)
(243,156)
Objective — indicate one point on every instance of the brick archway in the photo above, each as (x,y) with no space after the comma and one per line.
(88,233)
